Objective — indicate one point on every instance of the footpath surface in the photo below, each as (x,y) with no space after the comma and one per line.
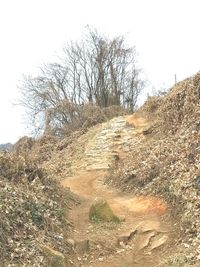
(145,233)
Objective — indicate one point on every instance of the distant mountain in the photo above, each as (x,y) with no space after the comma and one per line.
(7,146)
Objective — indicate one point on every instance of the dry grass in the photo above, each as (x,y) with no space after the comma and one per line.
(167,162)
(33,210)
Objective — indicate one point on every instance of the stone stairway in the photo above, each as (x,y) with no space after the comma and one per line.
(102,151)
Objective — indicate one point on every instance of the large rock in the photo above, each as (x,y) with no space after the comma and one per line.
(55,258)
(100,211)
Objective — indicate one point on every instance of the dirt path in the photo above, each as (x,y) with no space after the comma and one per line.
(145,232)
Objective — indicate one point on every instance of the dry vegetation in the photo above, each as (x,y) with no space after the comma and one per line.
(34,203)
(167,162)
(95,70)
(33,211)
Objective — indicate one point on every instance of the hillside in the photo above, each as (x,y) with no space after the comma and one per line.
(167,162)
(33,212)
(142,170)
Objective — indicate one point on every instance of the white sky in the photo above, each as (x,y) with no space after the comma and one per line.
(165,32)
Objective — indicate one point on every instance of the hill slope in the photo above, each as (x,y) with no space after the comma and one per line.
(167,163)
(145,166)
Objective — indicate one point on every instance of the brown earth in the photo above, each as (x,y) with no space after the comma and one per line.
(145,231)
(145,166)
(166,163)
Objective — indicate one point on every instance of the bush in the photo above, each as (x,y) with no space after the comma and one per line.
(84,117)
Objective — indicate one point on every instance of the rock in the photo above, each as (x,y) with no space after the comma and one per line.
(122,244)
(82,246)
(55,258)
(158,242)
(71,243)
(196,183)
(115,134)
(100,211)
(145,239)
(122,218)
(147,130)
(120,251)
(124,240)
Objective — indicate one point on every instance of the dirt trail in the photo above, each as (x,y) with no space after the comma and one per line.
(145,231)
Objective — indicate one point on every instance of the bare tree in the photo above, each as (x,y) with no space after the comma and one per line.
(96,70)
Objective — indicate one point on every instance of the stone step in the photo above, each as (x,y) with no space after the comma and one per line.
(98,167)
(115,133)
(98,161)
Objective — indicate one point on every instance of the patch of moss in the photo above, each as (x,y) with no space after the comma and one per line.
(55,258)
(101,212)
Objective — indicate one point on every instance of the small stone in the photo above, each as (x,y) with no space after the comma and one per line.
(71,242)
(98,247)
(120,251)
(122,244)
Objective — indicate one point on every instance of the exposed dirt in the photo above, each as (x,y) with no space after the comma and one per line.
(139,121)
(166,162)
(145,230)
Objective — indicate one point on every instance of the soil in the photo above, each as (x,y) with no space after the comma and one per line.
(145,233)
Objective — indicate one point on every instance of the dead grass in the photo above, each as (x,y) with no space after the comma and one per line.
(167,162)
(33,210)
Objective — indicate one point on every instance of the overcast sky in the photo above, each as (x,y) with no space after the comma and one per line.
(165,33)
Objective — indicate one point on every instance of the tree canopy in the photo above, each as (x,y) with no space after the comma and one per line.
(96,70)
